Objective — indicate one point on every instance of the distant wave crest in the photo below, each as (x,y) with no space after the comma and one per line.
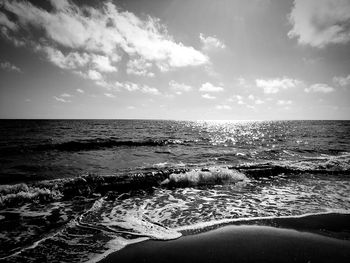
(95,144)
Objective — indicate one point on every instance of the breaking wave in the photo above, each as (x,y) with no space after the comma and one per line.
(90,185)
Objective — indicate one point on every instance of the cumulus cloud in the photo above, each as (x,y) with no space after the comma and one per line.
(150,90)
(72,60)
(223,107)
(320,22)
(93,75)
(80,91)
(84,38)
(208,96)
(139,67)
(319,87)
(5,65)
(208,87)
(342,81)
(103,63)
(179,87)
(209,42)
(272,86)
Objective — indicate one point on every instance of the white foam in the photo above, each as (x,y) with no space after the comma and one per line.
(213,175)
(204,225)
(113,246)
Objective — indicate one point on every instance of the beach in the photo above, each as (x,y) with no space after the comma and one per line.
(244,243)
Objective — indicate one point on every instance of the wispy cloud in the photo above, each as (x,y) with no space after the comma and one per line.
(210,42)
(259,101)
(208,96)
(109,95)
(272,86)
(131,86)
(223,107)
(284,102)
(5,65)
(179,88)
(208,87)
(66,95)
(319,87)
(80,91)
(237,99)
(60,99)
(342,81)
(320,22)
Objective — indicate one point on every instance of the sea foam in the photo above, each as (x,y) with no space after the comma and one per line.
(209,176)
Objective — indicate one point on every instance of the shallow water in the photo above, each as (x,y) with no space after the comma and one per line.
(77,190)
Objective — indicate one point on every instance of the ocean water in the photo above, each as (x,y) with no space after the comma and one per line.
(76,190)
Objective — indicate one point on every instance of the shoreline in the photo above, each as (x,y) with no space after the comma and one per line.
(243,243)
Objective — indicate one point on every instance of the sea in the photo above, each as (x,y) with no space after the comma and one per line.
(78,190)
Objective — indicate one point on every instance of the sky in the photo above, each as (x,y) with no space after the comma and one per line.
(175,59)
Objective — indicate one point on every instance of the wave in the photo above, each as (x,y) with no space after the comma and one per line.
(334,223)
(95,144)
(91,184)
(314,165)
(90,144)
(209,176)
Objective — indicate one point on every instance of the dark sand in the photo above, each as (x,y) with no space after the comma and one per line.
(239,244)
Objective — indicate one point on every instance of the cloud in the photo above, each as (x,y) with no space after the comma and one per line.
(131,107)
(66,95)
(104,31)
(109,95)
(223,107)
(179,87)
(319,87)
(7,23)
(72,60)
(103,63)
(208,96)
(208,87)
(320,22)
(5,65)
(130,86)
(80,91)
(259,101)
(139,67)
(150,90)
(342,81)
(210,43)
(272,86)
(93,75)
(284,102)
(59,99)
(237,98)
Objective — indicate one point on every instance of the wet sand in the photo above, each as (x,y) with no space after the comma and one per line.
(247,243)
